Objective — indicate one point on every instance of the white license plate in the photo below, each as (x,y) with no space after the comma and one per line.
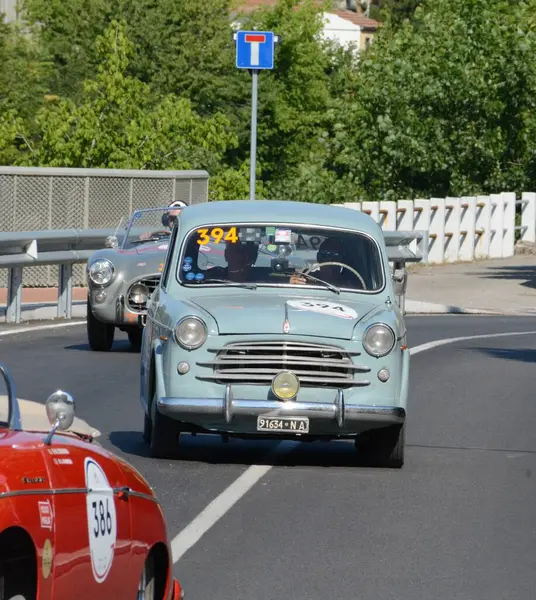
(283,424)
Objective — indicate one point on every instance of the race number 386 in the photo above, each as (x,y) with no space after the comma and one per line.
(101,520)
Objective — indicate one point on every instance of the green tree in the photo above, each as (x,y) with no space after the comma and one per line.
(120,123)
(444,106)
(24,69)
(68,30)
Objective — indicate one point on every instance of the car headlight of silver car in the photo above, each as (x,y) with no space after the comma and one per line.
(379,339)
(190,332)
(101,271)
(139,293)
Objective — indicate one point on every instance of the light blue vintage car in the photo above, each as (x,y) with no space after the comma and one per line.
(278,319)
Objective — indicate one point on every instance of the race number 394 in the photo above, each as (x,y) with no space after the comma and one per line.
(101,520)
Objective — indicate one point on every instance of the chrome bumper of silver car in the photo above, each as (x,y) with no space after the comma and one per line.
(229,407)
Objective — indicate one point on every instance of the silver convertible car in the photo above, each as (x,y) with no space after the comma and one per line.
(278,319)
(122,276)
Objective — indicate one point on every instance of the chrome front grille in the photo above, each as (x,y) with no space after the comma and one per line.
(150,283)
(258,362)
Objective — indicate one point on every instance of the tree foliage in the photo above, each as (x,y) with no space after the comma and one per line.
(441,103)
(118,123)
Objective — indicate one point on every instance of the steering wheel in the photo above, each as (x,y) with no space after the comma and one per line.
(337,264)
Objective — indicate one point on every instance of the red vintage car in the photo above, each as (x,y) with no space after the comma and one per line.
(75,520)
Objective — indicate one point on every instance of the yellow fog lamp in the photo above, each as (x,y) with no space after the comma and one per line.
(285,385)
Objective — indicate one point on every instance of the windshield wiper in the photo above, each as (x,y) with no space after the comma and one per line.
(249,286)
(313,278)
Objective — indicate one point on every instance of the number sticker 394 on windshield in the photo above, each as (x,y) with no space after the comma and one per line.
(216,235)
(101,520)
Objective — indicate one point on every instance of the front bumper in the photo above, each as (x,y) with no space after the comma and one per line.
(238,415)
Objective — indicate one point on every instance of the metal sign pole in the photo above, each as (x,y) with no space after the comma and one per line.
(253,151)
(254,51)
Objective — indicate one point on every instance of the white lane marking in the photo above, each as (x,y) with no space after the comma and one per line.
(206,519)
(437,343)
(40,327)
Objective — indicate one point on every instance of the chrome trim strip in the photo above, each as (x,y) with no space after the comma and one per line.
(284,346)
(61,491)
(337,410)
(339,403)
(260,378)
(290,360)
(228,403)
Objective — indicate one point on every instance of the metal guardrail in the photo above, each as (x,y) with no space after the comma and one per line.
(53,247)
(70,246)
(38,198)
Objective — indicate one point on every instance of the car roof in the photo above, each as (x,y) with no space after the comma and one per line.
(284,211)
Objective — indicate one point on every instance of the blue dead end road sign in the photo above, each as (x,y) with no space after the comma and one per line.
(255,49)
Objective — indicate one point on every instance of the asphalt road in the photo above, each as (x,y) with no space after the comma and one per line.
(456,523)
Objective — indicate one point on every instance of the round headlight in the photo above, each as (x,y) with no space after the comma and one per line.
(379,340)
(101,271)
(139,293)
(190,332)
(285,385)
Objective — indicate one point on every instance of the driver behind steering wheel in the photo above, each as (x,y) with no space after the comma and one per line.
(168,219)
(331,250)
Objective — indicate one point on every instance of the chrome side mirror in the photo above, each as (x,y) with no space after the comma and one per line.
(60,412)
(111,242)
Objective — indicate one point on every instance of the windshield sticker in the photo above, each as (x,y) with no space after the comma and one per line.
(251,234)
(270,231)
(283,236)
(271,248)
(188,259)
(101,519)
(199,277)
(186,266)
(324,308)
(216,234)
(190,276)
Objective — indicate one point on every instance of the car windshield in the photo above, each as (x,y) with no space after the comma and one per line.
(253,255)
(148,226)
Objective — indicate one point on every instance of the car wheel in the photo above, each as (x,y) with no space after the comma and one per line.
(164,434)
(147,585)
(100,335)
(147,428)
(135,337)
(382,448)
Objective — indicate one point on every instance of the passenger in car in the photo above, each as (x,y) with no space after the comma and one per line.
(331,250)
(240,257)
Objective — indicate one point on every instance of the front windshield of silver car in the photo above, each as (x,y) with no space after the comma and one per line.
(149,226)
(249,256)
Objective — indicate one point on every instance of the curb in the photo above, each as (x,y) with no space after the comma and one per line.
(416,307)
(45,311)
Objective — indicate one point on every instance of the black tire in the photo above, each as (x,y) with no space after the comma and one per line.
(99,335)
(147,584)
(134,337)
(164,435)
(147,428)
(383,448)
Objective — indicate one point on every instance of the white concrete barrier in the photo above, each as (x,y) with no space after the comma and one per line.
(460,229)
